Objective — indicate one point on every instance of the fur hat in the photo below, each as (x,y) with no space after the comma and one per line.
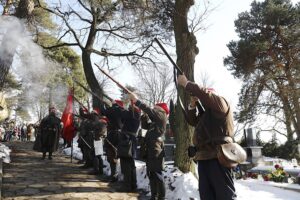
(104,119)
(211,90)
(52,108)
(164,106)
(96,111)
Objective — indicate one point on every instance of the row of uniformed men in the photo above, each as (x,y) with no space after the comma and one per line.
(121,126)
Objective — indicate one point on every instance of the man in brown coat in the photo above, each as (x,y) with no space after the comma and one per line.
(155,153)
(213,127)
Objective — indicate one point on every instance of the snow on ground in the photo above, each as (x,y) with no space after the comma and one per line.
(185,186)
(4,153)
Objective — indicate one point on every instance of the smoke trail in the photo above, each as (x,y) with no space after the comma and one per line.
(29,64)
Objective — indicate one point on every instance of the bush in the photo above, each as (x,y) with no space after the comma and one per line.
(270,149)
(288,151)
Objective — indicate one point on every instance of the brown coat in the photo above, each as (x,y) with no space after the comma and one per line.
(212,127)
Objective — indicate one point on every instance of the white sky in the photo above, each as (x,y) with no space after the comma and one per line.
(212,46)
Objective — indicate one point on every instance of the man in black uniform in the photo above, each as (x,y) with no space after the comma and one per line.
(50,131)
(98,129)
(82,143)
(87,141)
(155,122)
(127,146)
(115,124)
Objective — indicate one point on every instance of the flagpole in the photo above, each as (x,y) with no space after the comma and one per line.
(73,124)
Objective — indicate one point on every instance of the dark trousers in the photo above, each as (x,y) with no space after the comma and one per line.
(44,154)
(89,155)
(113,170)
(215,181)
(129,171)
(47,144)
(157,185)
(98,165)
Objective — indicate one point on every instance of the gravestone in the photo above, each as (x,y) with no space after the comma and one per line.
(254,153)
(251,138)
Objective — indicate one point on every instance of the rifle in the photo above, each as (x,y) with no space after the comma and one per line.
(118,84)
(111,78)
(180,72)
(112,146)
(86,143)
(79,102)
(92,93)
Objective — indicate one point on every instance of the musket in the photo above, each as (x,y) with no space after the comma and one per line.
(179,71)
(85,142)
(91,92)
(79,103)
(115,148)
(116,82)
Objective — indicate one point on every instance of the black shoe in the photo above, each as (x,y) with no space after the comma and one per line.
(80,162)
(92,173)
(124,189)
(43,158)
(84,167)
(50,158)
(113,180)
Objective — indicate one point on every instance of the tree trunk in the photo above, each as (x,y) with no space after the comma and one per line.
(186,51)
(6,54)
(294,93)
(7,51)
(8,48)
(25,9)
(89,73)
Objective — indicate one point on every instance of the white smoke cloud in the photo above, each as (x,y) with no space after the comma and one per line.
(29,64)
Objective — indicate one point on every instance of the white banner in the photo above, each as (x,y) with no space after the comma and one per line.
(98,145)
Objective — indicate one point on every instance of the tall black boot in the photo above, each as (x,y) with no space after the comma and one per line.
(44,156)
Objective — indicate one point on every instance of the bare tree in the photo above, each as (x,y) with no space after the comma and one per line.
(155,86)
(108,31)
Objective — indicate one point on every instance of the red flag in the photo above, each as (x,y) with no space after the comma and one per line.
(68,119)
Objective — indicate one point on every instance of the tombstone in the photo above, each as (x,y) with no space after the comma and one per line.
(251,138)
(254,154)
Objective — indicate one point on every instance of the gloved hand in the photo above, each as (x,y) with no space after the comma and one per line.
(182,80)
(132,97)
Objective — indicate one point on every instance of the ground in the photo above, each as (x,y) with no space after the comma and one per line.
(29,177)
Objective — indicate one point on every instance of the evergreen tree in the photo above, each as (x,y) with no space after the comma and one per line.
(266,58)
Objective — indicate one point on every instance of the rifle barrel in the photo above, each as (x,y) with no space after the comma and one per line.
(79,102)
(169,57)
(91,92)
(111,78)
